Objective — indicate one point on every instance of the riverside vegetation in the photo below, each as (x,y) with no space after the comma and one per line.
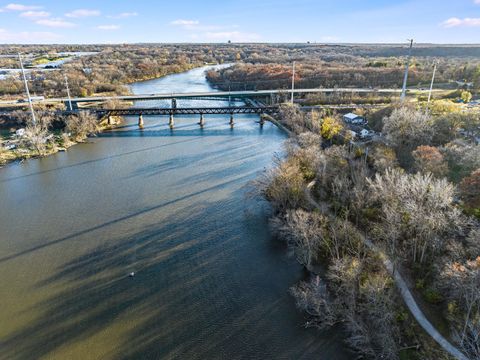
(415,193)
(49,134)
(105,71)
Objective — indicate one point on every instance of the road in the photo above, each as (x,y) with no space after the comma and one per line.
(219,94)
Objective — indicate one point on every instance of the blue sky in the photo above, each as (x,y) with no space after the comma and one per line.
(127,21)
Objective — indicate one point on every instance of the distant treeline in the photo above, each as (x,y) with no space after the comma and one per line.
(259,66)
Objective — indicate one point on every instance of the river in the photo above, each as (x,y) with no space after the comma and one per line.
(171,206)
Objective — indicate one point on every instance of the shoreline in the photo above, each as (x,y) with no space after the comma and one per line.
(9,157)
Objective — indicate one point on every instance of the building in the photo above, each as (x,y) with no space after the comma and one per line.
(364,134)
(352,118)
(464,84)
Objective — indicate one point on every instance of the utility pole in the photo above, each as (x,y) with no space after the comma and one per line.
(26,90)
(293,81)
(68,93)
(431,84)
(404,87)
(229,94)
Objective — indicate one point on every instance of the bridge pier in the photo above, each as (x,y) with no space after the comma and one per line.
(262,120)
(202,120)
(231,120)
(174,103)
(171,122)
(140,121)
(109,120)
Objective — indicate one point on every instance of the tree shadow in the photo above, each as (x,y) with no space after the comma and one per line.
(126,153)
(201,290)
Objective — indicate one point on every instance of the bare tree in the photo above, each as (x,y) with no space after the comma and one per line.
(405,129)
(284,186)
(428,159)
(417,212)
(367,307)
(37,135)
(462,158)
(305,232)
(311,296)
(81,125)
(462,282)
(384,158)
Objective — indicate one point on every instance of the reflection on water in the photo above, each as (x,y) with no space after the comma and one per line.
(209,283)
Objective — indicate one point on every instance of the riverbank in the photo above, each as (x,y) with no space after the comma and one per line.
(155,77)
(20,154)
(170,206)
(320,193)
(57,143)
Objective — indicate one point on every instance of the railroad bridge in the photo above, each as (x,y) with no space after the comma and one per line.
(171,112)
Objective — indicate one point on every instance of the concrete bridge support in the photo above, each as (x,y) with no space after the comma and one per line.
(174,103)
(262,120)
(231,120)
(140,121)
(273,99)
(202,121)
(171,122)
(109,120)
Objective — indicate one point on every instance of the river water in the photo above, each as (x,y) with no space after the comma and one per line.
(210,281)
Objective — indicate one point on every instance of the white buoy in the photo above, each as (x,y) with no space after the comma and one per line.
(132,274)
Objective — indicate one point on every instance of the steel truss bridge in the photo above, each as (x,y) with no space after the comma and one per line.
(188,111)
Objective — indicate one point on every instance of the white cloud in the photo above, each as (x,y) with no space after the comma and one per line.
(181,22)
(82,13)
(20,7)
(55,22)
(28,37)
(232,35)
(108,27)
(455,22)
(476,1)
(34,14)
(123,15)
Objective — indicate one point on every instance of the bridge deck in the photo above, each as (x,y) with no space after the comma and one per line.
(223,95)
(190,111)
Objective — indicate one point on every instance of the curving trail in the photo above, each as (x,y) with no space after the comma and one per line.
(401,285)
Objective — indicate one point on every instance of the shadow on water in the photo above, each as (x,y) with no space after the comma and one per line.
(209,283)
(178,132)
(100,159)
(123,218)
(179,270)
(244,155)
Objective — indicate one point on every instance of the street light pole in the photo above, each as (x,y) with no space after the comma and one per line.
(293,81)
(405,78)
(68,93)
(26,90)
